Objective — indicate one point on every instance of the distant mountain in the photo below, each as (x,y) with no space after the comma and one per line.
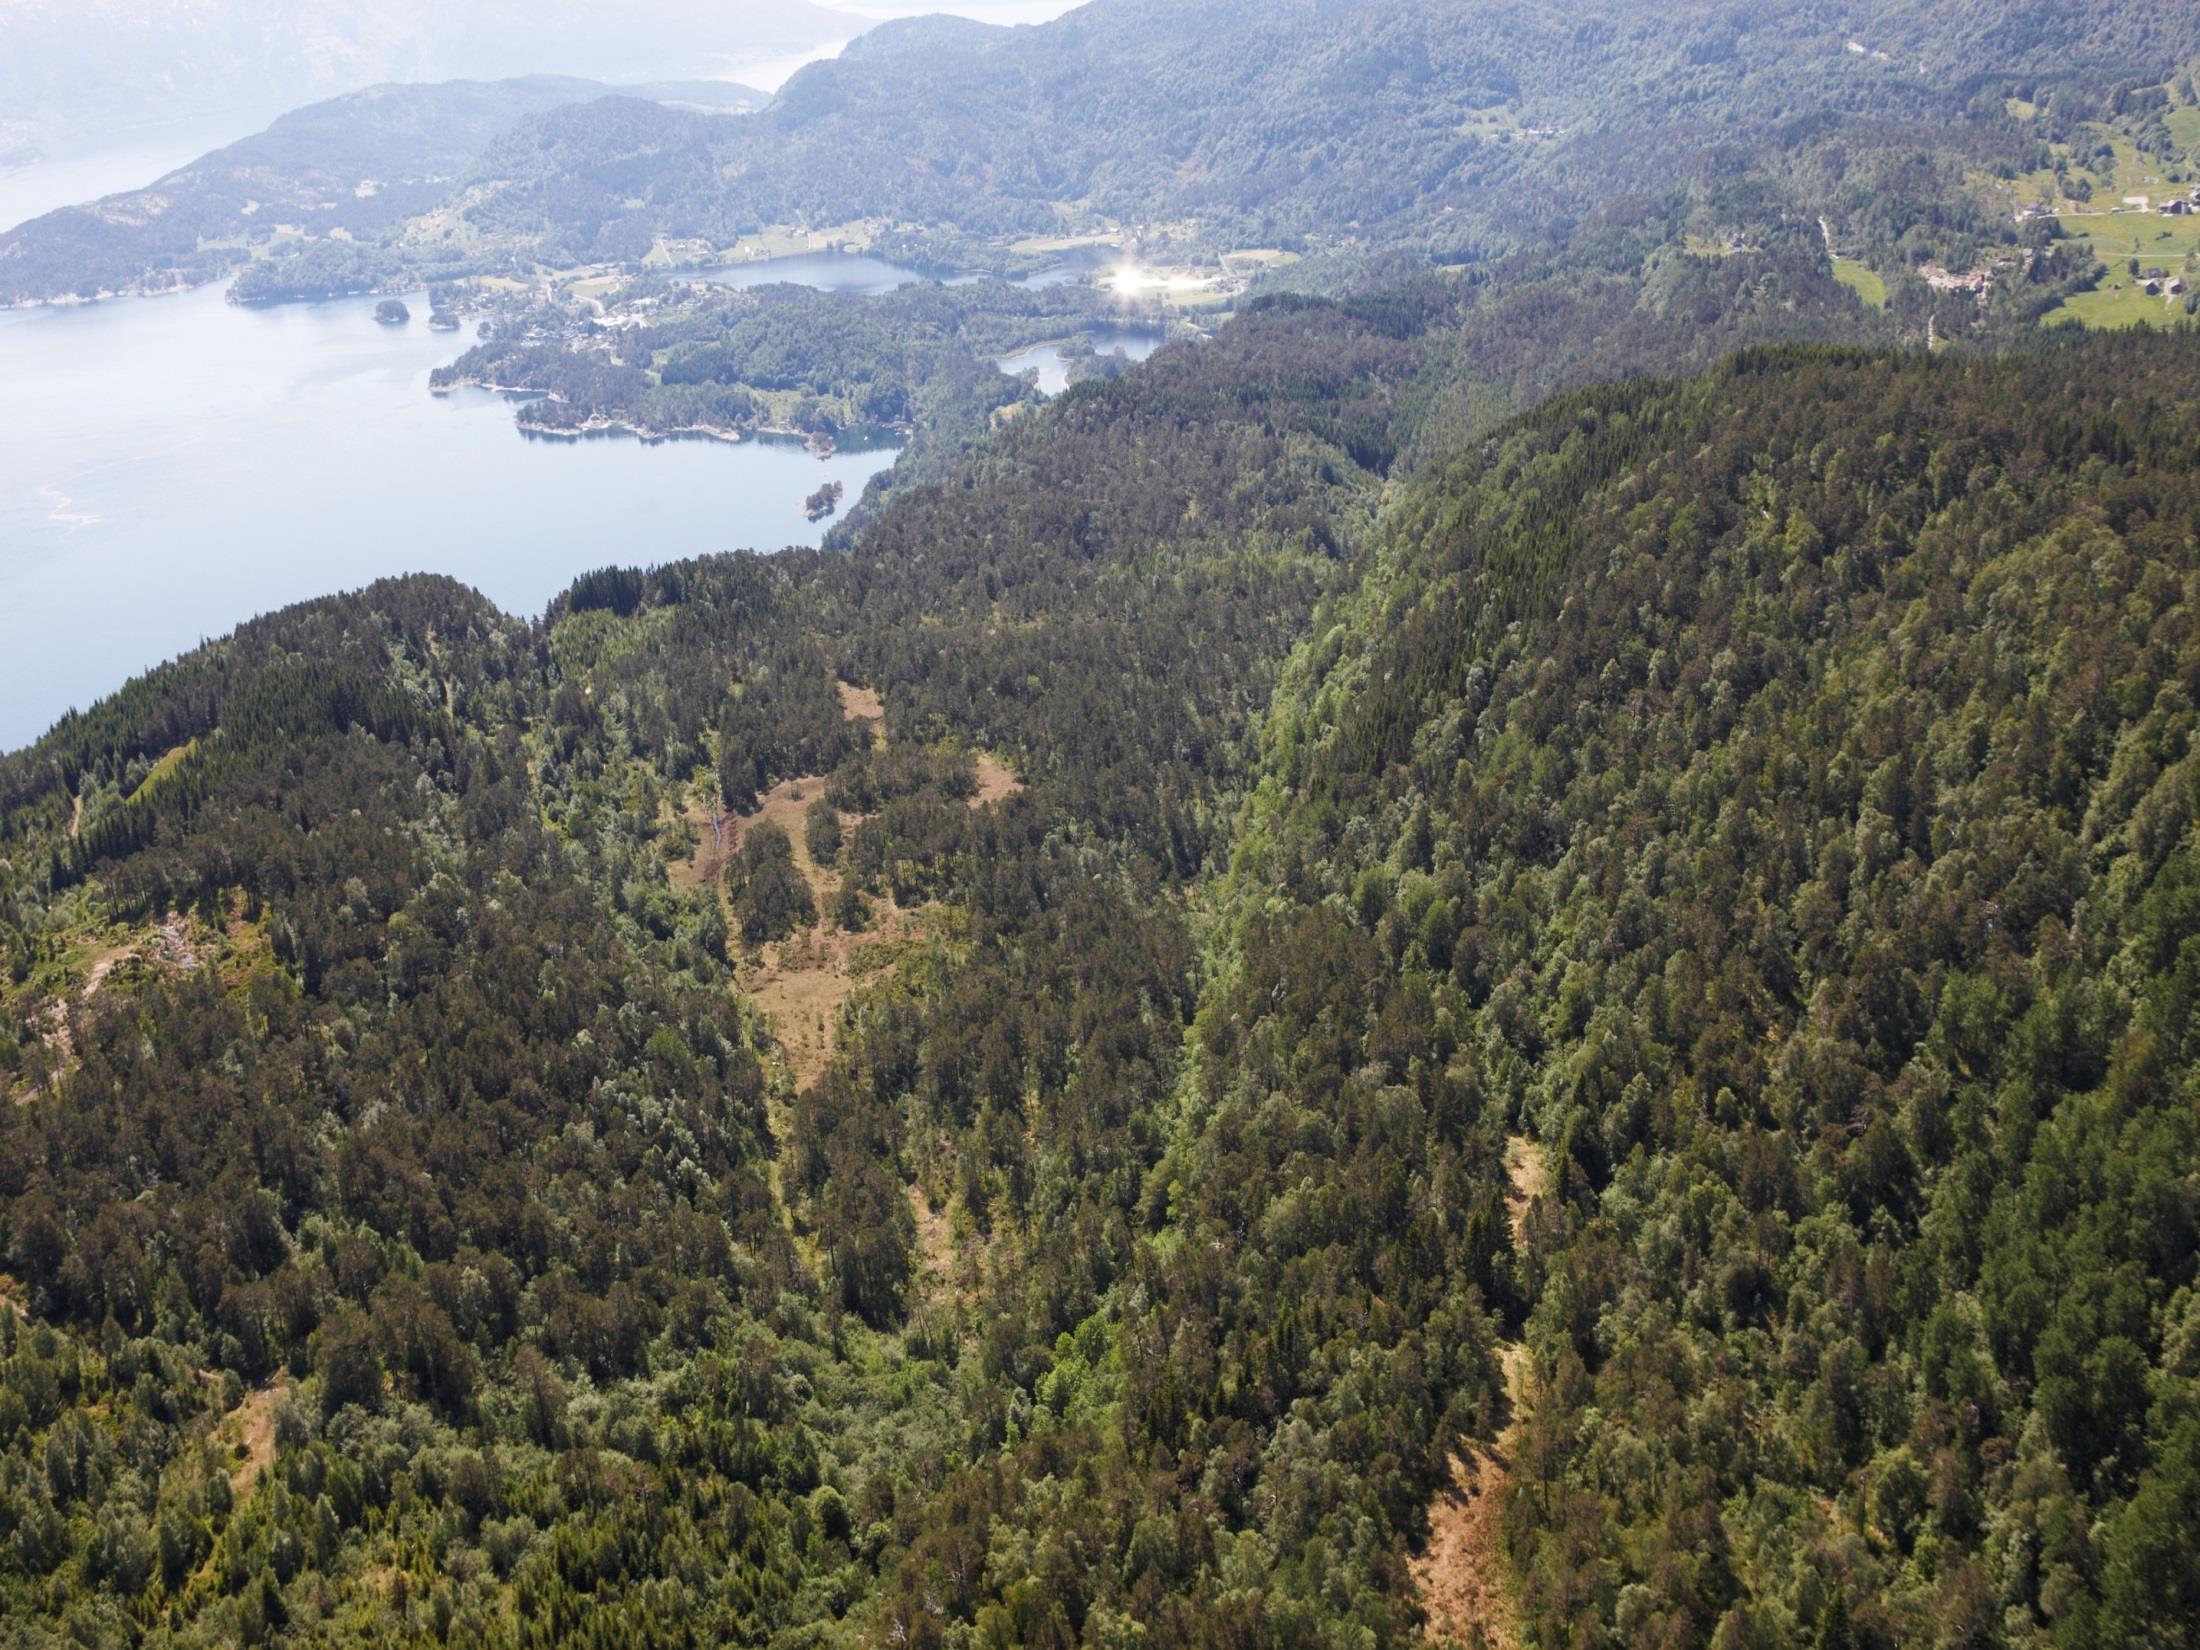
(349,172)
(77,73)
(1454,130)
(1451,123)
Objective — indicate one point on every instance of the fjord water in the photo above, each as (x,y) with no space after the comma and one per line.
(170,467)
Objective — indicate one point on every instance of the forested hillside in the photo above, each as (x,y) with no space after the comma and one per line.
(1775,796)
(1446,131)
(965,1089)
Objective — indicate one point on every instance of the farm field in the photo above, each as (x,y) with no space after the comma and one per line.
(2108,308)
(2114,236)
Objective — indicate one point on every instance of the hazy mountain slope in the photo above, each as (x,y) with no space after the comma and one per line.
(86,70)
(355,167)
(1448,130)
(1302,119)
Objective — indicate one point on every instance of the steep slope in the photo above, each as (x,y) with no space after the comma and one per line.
(1222,123)
(76,72)
(1766,800)
(1776,794)
(446,1140)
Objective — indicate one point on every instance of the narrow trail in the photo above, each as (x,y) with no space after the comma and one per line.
(76,814)
(1465,1584)
(254,1430)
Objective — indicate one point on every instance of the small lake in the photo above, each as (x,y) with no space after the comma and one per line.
(856,272)
(170,467)
(1053,367)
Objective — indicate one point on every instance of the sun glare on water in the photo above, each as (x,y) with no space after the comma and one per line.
(1131,281)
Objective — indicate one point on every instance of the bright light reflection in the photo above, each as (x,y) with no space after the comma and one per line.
(1130,281)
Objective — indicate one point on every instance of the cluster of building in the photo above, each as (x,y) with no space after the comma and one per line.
(1949,280)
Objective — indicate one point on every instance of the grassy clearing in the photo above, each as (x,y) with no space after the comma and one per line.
(1861,279)
(791,240)
(169,762)
(1040,246)
(2147,236)
(2111,307)
(1255,259)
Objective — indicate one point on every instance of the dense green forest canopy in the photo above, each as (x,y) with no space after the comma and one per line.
(1563,882)
(1768,793)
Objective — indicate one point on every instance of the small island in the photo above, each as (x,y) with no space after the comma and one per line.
(824,501)
(391,312)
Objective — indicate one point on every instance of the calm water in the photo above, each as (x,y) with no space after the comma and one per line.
(170,467)
(1053,370)
(826,271)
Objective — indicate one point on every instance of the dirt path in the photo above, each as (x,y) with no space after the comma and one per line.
(943,1272)
(76,814)
(1526,1179)
(1465,1584)
(254,1421)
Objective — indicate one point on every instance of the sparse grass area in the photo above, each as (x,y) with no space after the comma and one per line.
(1252,260)
(996,781)
(1861,279)
(164,767)
(791,240)
(800,984)
(1039,246)
(250,1434)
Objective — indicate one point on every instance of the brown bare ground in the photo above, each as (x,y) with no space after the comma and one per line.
(864,705)
(996,780)
(1461,1574)
(1526,1179)
(713,829)
(1464,1582)
(802,983)
(254,1420)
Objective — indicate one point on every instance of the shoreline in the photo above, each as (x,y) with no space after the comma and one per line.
(603,424)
